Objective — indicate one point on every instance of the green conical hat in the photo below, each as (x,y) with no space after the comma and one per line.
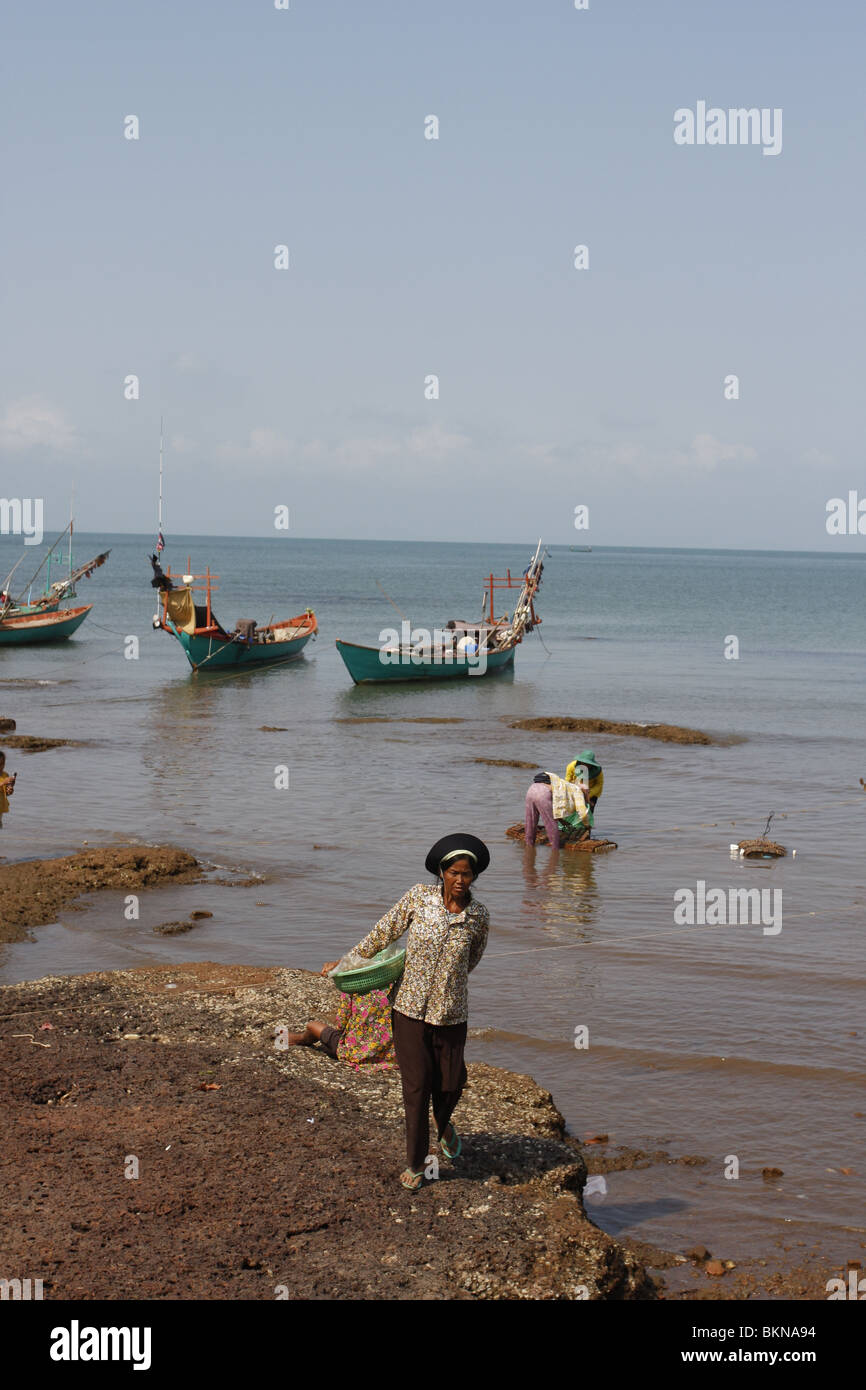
(588,757)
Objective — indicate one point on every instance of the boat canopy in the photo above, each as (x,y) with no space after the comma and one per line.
(180,607)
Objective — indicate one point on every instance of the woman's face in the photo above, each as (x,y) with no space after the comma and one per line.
(457,877)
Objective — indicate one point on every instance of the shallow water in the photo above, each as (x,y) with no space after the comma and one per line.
(715,1041)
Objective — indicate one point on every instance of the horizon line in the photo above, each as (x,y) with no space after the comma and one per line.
(406,540)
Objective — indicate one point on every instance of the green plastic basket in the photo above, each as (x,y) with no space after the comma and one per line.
(376,975)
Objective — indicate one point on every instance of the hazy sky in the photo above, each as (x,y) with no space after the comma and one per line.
(410,257)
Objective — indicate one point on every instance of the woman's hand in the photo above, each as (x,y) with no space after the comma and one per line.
(328,966)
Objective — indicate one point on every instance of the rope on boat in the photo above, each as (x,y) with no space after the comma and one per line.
(213,654)
(245,670)
(113,630)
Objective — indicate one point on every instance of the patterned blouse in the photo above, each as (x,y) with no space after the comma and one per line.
(441,949)
(365,1022)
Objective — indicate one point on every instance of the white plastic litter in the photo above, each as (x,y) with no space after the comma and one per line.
(596,1188)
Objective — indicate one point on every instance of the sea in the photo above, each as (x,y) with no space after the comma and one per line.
(741,1044)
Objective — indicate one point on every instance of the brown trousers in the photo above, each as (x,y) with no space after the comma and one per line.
(430,1058)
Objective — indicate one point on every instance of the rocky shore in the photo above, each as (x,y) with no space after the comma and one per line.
(34,891)
(160,1144)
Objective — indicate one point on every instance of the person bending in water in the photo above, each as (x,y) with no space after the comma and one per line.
(562,808)
(586,771)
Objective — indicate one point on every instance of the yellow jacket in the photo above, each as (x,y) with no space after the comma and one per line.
(596,786)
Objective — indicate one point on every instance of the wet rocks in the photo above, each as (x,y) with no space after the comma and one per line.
(34,891)
(172,928)
(665,733)
(504,762)
(29,743)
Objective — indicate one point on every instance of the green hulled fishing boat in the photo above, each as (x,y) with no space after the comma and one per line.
(365,664)
(211,647)
(461,648)
(28,628)
(55,591)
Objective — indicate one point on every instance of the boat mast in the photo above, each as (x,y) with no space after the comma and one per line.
(69,548)
(46,558)
(159,517)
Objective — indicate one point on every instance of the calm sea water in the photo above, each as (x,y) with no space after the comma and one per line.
(715,1041)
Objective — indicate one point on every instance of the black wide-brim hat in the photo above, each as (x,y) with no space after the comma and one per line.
(476,850)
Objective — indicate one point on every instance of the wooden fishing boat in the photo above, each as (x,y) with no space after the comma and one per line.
(23,610)
(461,648)
(365,664)
(26,629)
(55,592)
(211,647)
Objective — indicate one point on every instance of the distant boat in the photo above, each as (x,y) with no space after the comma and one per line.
(461,649)
(582,549)
(25,629)
(211,647)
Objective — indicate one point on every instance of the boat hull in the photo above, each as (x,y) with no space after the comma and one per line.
(214,652)
(26,610)
(24,631)
(366,667)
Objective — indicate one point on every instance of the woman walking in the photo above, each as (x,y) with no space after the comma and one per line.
(447,936)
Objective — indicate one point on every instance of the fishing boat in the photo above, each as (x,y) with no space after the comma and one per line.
(25,629)
(461,648)
(54,592)
(211,647)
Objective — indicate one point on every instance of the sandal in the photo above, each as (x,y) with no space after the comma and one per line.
(411,1180)
(449,1152)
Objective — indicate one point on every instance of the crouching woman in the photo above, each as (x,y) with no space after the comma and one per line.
(360,1034)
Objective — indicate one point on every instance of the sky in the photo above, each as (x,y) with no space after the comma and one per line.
(311,387)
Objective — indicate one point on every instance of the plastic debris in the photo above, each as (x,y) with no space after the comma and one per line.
(596,1188)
